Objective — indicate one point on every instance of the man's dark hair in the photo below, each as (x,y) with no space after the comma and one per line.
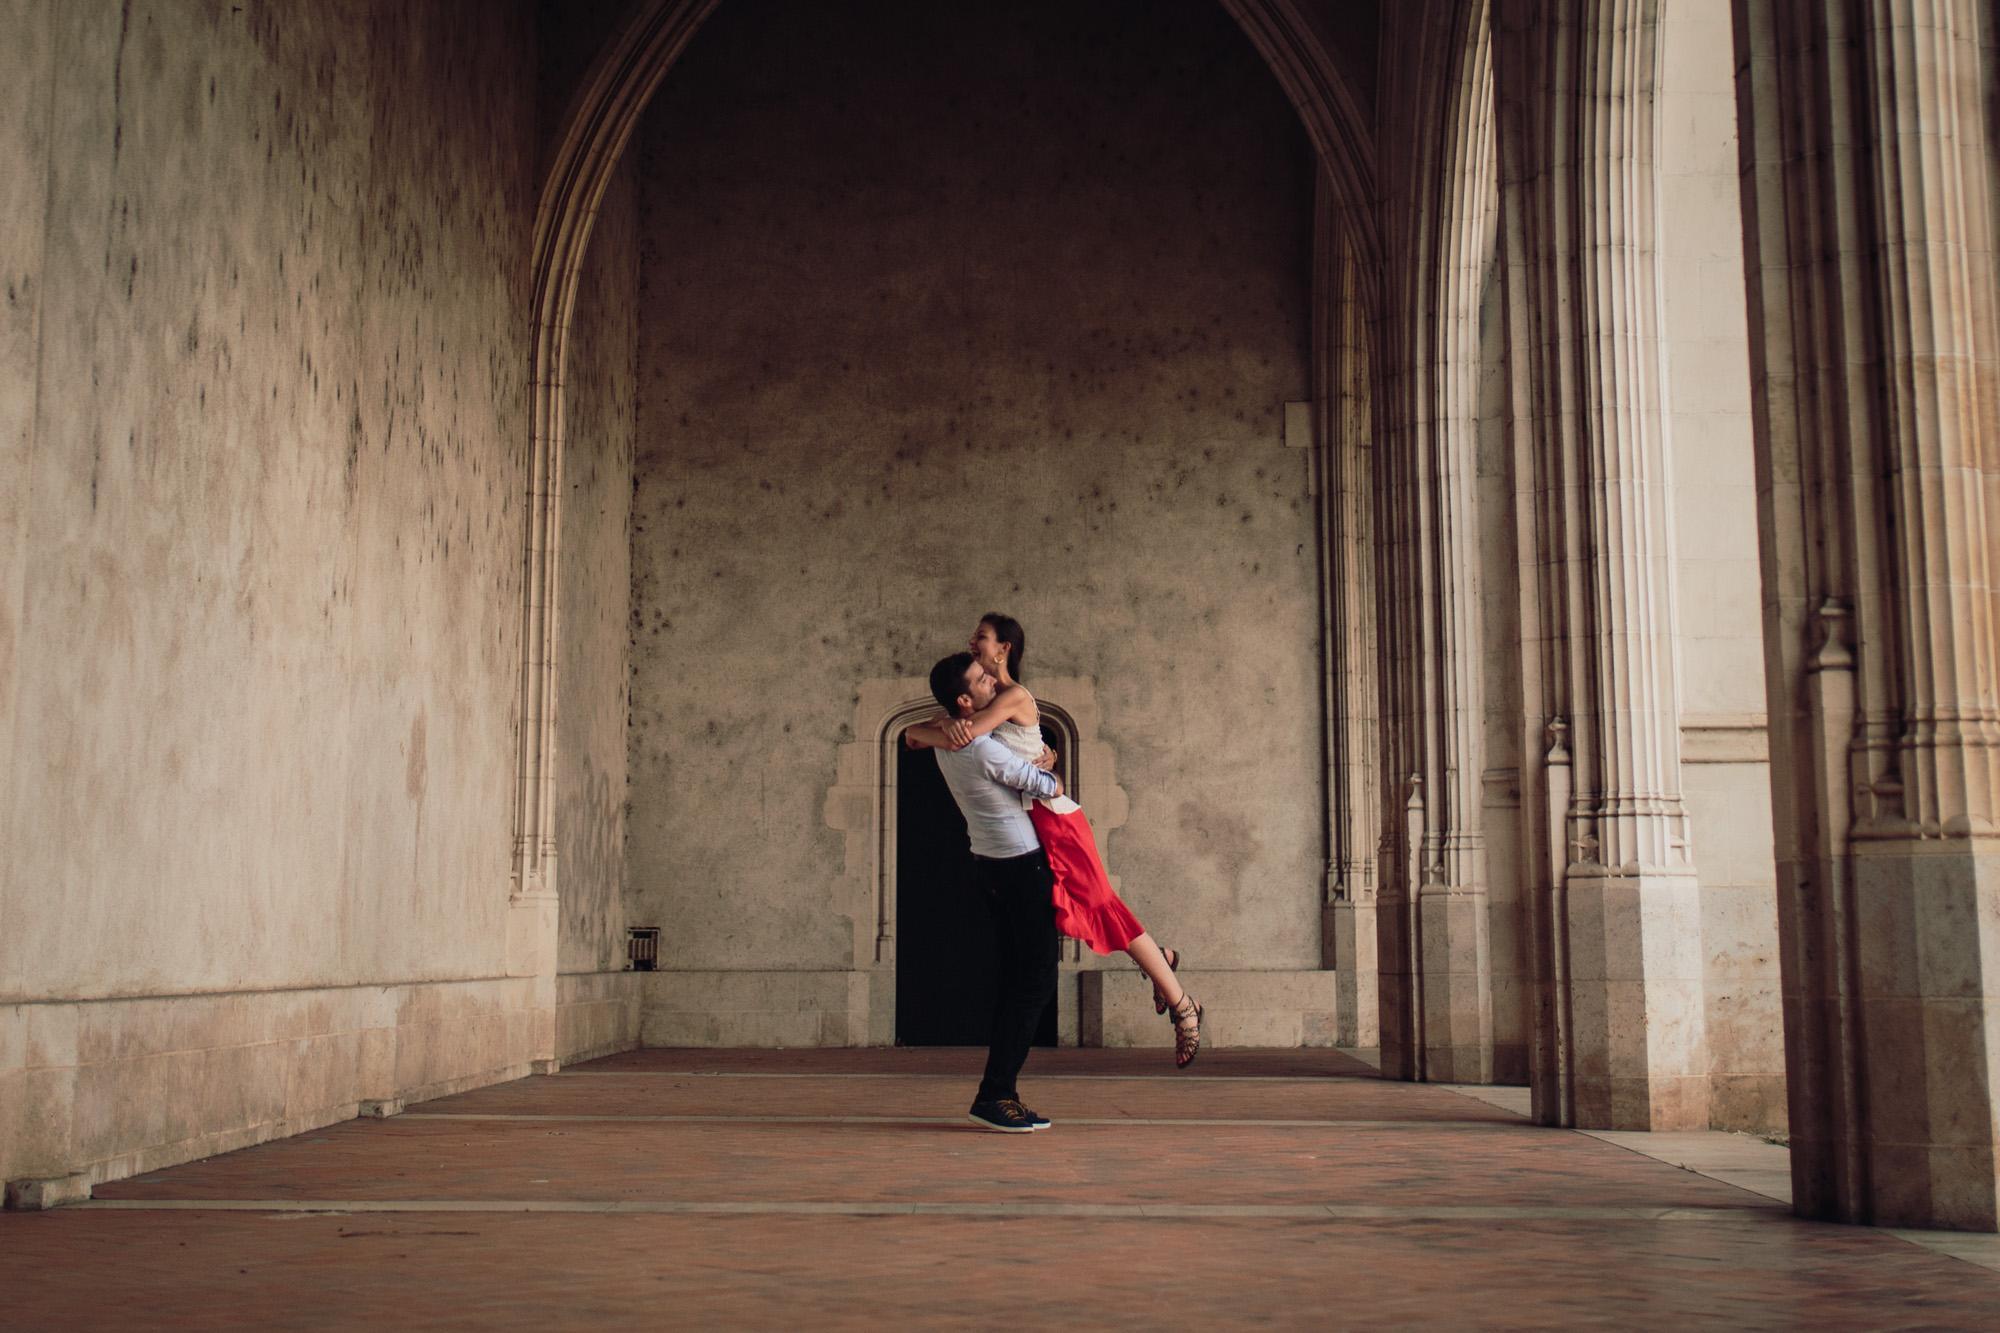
(948,680)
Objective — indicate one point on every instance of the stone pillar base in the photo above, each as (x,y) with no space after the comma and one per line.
(1351,951)
(1927,944)
(1639,1049)
(1396,989)
(1457,987)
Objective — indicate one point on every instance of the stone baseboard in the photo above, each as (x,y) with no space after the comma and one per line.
(100,1090)
(1274,1008)
(597,1014)
(760,1009)
(854,1008)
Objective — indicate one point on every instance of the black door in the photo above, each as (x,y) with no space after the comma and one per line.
(944,933)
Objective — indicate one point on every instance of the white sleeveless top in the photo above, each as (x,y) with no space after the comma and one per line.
(1026,742)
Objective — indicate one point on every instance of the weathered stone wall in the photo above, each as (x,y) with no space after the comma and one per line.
(948,309)
(261,448)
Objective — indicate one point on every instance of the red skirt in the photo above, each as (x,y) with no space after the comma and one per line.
(1087,907)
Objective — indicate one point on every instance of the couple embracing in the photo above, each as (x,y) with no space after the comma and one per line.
(1034,860)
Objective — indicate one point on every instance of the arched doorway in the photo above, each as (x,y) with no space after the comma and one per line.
(944,956)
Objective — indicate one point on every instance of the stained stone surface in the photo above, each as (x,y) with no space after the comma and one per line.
(262,447)
(952,310)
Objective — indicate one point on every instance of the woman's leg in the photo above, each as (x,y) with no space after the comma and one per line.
(1183,1008)
(1145,951)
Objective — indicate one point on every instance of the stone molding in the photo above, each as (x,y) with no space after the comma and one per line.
(1716,738)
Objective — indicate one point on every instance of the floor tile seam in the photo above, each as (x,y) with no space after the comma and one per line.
(885,1208)
(1949,1244)
(972,1075)
(1677,1159)
(1954,1244)
(1473,1093)
(1674,1161)
(414,1115)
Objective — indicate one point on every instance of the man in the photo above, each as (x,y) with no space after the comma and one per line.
(1009,868)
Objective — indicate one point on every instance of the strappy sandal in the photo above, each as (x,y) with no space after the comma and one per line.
(1187,1040)
(1173,957)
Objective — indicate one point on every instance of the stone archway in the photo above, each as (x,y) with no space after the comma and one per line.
(595,130)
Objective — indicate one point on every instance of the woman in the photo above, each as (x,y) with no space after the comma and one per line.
(1087,907)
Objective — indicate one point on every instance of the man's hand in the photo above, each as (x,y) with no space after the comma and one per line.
(958,732)
(1046,760)
(1059,787)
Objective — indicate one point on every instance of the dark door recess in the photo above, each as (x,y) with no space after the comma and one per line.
(944,934)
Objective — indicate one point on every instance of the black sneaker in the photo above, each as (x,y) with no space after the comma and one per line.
(1036,1120)
(1005,1116)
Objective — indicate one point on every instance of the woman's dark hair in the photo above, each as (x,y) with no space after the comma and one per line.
(1008,630)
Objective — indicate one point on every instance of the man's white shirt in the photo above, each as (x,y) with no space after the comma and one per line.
(985,779)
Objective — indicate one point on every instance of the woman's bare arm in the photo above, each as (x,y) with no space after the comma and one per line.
(1013,704)
(929,735)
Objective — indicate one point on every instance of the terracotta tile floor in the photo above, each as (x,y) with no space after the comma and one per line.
(843,1188)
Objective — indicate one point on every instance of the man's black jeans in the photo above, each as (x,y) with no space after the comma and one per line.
(1020,890)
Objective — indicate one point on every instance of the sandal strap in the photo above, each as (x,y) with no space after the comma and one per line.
(1187,1039)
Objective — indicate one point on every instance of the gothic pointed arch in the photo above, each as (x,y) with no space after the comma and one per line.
(590,141)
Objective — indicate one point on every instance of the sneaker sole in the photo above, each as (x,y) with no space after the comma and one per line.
(1000,1129)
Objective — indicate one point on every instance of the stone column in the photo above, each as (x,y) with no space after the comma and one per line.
(1344,458)
(1400,403)
(1575,82)
(1869,190)
(1437,174)
(1453,899)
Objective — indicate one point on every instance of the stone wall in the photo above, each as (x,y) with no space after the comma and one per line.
(593,672)
(1012,328)
(262,422)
